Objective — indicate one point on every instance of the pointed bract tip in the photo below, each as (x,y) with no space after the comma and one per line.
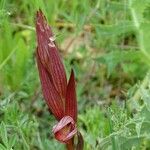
(72,71)
(72,75)
(39,13)
(71,100)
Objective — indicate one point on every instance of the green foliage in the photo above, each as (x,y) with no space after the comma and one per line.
(107,44)
(95,125)
(14,57)
(20,130)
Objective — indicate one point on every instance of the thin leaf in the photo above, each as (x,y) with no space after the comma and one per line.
(2,147)
(3,133)
(12,141)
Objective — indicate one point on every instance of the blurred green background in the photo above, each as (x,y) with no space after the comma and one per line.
(107,42)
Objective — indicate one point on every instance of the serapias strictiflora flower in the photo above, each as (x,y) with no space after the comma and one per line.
(59,94)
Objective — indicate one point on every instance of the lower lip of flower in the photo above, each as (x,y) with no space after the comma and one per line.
(63,133)
(65,129)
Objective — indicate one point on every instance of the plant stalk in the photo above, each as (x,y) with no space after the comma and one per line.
(70,145)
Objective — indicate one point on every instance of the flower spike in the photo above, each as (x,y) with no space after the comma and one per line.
(59,96)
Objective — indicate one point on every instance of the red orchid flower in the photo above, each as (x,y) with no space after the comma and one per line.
(59,95)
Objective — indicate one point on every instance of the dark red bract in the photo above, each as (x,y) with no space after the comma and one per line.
(59,95)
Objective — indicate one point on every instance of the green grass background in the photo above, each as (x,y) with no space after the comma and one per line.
(107,43)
